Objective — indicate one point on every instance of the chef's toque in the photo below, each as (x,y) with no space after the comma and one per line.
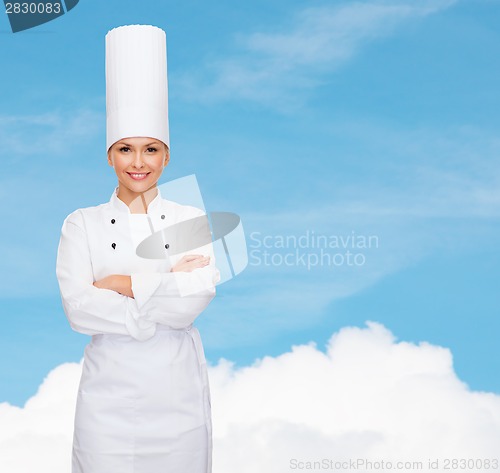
(136,84)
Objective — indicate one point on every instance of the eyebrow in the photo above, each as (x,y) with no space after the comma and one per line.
(122,143)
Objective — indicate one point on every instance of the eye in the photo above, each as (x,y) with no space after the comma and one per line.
(124,149)
(152,150)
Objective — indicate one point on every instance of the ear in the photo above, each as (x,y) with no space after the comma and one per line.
(110,162)
(167,156)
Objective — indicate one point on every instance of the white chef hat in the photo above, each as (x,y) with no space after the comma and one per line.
(136,83)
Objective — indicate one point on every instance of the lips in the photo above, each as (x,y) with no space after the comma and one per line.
(138,176)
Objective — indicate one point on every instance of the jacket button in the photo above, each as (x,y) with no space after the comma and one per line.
(113,220)
(163,217)
(167,246)
(113,245)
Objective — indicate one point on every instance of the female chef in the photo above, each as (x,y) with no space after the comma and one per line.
(143,403)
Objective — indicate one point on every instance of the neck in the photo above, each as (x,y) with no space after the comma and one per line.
(137,202)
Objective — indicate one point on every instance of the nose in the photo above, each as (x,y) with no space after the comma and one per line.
(138,163)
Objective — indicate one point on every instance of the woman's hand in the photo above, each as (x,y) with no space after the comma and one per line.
(189,263)
(123,284)
(116,282)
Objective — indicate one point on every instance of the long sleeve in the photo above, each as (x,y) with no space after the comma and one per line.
(177,298)
(91,310)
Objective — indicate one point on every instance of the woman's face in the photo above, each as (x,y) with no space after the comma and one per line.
(138,162)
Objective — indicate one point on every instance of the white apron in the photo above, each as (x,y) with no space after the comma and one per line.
(143,402)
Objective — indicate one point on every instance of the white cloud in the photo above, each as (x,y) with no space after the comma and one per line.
(367,396)
(44,135)
(269,65)
(37,437)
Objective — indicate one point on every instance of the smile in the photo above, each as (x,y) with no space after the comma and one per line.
(138,176)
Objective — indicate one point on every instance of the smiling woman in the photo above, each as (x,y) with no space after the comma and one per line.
(138,163)
(143,401)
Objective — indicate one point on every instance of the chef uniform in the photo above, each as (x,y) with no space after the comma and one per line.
(143,403)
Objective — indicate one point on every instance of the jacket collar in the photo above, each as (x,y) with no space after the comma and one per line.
(118,204)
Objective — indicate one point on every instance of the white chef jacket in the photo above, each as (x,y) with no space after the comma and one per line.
(143,401)
(96,242)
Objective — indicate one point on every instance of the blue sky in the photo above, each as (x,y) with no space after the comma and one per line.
(377,117)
